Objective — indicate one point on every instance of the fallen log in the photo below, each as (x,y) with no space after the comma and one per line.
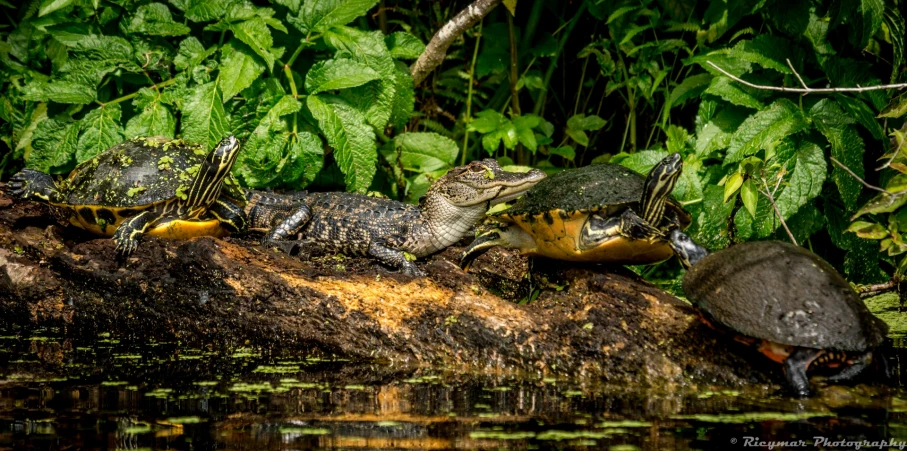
(607,325)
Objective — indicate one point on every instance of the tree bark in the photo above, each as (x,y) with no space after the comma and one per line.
(436,49)
(215,293)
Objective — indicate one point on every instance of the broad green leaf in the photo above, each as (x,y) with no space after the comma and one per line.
(807,170)
(817,34)
(255,33)
(238,69)
(894,22)
(93,46)
(863,114)
(846,146)
(861,264)
(336,74)
(583,122)
(768,51)
(828,113)
(883,203)
(49,6)
(404,99)
(53,146)
(425,152)
(690,87)
(403,45)
(733,183)
(154,120)
(350,136)
(319,15)
(867,23)
(765,129)
(202,10)
(26,122)
(304,159)
(376,98)
(896,108)
(60,91)
(734,92)
(155,19)
(564,151)
(487,121)
(749,195)
(191,53)
(710,226)
(525,126)
(269,150)
(716,134)
(101,130)
(868,230)
(204,119)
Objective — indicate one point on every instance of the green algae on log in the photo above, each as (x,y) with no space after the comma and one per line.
(207,292)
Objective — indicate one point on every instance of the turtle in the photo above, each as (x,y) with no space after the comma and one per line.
(146,186)
(784,301)
(599,213)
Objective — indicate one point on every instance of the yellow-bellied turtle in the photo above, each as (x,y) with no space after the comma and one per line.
(590,214)
(786,302)
(146,186)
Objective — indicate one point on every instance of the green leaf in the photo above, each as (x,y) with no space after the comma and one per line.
(883,203)
(765,129)
(564,151)
(376,98)
(710,226)
(749,195)
(303,160)
(868,230)
(425,152)
(155,19)
(734,92)
(53,146)
(807,169)
(191,53)
(204,119)
(525,132)
(861,264)
(733,183)
(858,109)
(846,146)
(768,51)
(59,91)
(336,74)
(154,120)
(689,88)
(49,6)
(405,98)
(867,23)
(319,15)
(716,134)
(202,10)
(487,121)
(255,33)
(896,108)
(238,69)
(269,150)
(583,122)
(100,131)
(350,136)
(404,45)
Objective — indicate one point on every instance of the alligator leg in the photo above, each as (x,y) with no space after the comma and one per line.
(291,225)
(795,369)
(230,216)
(394,258)
(854,370)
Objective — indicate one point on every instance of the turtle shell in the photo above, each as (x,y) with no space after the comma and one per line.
(608,188)
(784,294)
(139,173)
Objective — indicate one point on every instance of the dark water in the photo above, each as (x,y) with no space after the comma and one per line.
(107,394)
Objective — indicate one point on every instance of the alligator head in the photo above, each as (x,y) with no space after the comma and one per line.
(458,200)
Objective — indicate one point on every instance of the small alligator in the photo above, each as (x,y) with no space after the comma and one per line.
(388,230)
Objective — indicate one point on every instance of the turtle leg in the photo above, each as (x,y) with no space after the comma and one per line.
(31,184)
(291,225)
(230,215)
(510,237)
(129,233)
(795,367)
(634,227)
(394,258)
(851,371)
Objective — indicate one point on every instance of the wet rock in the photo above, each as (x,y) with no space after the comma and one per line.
(603,323)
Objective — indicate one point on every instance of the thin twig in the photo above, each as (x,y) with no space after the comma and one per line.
(791,66)
(866,291)
(806,90)
(857,177)
(771,199)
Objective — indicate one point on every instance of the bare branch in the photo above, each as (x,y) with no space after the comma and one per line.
(791,66)
(436,49)
(771,199)
(805,90)
(857,177)
(866,291)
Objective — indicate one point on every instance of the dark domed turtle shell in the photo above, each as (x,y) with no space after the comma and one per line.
(784,294)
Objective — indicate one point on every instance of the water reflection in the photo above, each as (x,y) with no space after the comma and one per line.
(55,394)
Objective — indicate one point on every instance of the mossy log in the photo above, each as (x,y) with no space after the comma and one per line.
(606,324)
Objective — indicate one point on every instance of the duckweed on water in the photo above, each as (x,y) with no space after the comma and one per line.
(497,435)
(186,420)
(305,431)
(752,417)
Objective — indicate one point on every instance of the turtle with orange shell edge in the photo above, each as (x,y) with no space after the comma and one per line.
(784,301)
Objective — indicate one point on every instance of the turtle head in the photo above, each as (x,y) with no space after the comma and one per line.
(482,183)
(216,167)
(658,186)
(687,250)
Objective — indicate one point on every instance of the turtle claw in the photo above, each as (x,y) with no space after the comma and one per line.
(411,270)
(126,247)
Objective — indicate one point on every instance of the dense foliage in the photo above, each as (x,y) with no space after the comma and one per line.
(320,92)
